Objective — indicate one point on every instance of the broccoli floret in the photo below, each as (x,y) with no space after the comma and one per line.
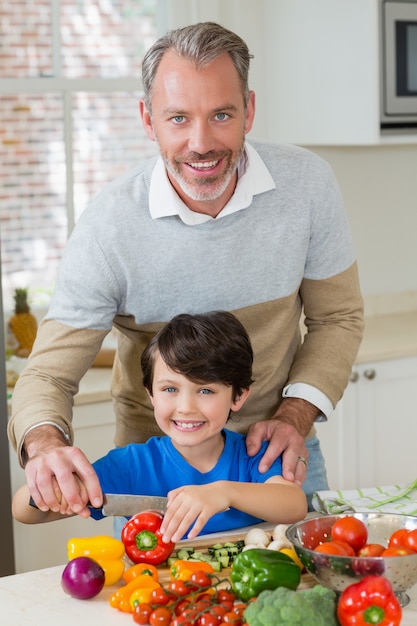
(282,606)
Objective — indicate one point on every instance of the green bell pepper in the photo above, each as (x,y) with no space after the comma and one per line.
(258,569)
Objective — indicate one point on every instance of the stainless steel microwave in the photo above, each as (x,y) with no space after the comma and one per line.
(398,63)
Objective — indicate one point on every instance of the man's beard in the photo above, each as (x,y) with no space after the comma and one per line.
(204,188)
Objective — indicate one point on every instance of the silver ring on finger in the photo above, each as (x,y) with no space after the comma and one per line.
(302,459)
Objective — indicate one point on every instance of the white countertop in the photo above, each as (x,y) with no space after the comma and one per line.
(36,598)
(385,337)
(389,337)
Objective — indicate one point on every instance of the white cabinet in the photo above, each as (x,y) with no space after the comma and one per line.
(370,440)
(322,64)
(45,545)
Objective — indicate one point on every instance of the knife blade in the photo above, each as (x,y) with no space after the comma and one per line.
(127,504)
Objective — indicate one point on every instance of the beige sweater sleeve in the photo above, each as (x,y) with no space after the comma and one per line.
(46,388)
(334,317)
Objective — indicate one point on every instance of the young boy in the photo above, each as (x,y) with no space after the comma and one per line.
(197,371)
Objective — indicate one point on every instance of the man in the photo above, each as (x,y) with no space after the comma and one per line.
(214,223)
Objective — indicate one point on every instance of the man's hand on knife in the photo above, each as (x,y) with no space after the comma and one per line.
(59,477)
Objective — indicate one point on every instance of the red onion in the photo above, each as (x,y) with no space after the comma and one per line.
(82,578)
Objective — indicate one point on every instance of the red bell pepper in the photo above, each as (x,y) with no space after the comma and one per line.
(370,601)
(143,540)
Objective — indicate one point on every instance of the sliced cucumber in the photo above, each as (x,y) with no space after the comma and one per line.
(220,555)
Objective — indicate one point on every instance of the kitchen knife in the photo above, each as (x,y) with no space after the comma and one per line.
(128,504)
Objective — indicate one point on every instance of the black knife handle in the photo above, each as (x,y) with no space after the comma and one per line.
(32,503)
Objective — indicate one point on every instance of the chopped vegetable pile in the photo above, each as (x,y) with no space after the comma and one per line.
(220,555)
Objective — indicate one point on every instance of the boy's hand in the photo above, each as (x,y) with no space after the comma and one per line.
(192,504)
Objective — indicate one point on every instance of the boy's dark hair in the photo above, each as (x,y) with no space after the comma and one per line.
(207,347)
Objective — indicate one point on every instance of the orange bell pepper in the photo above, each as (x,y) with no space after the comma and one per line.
(140,569)
(182,570)
(120,599)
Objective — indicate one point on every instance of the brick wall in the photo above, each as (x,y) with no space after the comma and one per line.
(99,39)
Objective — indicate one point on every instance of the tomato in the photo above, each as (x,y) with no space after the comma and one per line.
(371,549)
(225,598)
(182,606)
(207,619)
(182,620)
(398,538)
(200,579)
(160,596)
(141,613)
(411,540)
(190,613)
(218,610)
(224,595)
(331,547)
(346,547)
(179,588)
(239,608)
(351,530)
(232,618)
(397,551)
(160,617)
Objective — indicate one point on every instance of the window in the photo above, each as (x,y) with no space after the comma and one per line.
(69,90)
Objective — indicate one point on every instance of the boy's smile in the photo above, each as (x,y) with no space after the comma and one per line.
(192,414)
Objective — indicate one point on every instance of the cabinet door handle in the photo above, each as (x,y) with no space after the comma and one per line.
(353,377)
(370,374)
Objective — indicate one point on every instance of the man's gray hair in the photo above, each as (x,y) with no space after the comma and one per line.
(202,43)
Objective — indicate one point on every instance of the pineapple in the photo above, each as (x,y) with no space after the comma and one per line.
(23,324)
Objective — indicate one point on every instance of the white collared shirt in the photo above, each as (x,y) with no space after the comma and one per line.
(253,178)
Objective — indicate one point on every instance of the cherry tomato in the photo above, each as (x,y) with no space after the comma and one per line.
(160,617)
(181,606)
(398,538)
(190,614)
(141,613)
(239,608)
(232,618)
(371,549)
(205,598)
(351,530)
(200,579)
(218,610)
(397,551)
(207,619)
(331,547)
(226,604)
(160,596)
(181,620)
(346,547)
(411,539)
(225,595)
(179,588)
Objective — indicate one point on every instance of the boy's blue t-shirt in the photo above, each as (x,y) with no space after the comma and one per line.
(155,467)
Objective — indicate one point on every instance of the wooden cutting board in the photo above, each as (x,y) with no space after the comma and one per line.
(205,542)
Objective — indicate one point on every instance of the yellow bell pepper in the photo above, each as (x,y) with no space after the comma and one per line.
(143,594)
(107,551)
(293,555)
